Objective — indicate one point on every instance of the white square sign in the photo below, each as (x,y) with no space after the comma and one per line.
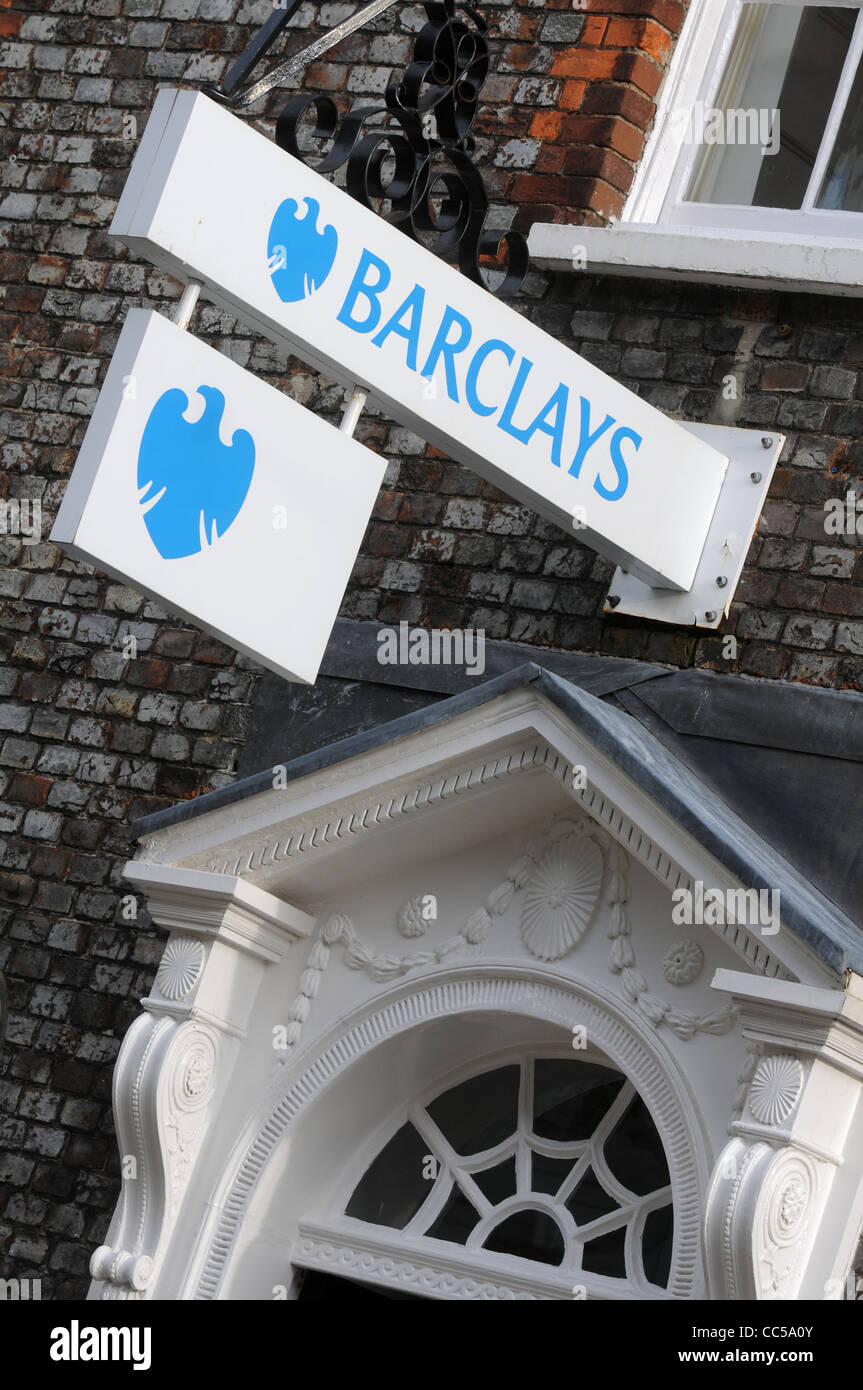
(218,495)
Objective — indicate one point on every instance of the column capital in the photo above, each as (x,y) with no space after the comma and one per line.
(224,933)
(220,905)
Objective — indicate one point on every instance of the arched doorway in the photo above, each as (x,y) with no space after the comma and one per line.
(451,1143)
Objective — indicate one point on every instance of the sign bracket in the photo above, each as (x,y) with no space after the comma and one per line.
(752,458)
(186,306)
(229,95)
(353,410)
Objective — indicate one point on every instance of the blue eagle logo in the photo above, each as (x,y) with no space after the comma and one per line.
(191,486)
(299,257)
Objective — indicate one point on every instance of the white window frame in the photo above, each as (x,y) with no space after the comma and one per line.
(406,1259)
(697,72)
(813,250)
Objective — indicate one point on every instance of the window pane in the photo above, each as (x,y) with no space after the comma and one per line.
(480,1113)
(605,1255)
(807,95)
(457,1219)
(785,59)
(497,1183)
(531,1234)
(590,1200)
(570,1100)
(843,182)
(656,1245)
(634,1152)
(393,1188)
(547,1174)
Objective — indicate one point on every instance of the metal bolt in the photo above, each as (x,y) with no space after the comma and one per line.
(613,600)
(766,442)
(755,477)
(710,616)
(721,581)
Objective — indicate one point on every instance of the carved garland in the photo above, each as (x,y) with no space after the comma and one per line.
(744,1076)
(640,845)
(339,930)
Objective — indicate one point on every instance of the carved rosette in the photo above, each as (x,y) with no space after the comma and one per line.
(787,1202)
(180,967)
(560,897)
(683,963)
(194,1072)
(775,1088)
(190,1089)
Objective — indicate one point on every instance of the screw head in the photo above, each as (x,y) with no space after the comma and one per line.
(766,442)
(721,581)
(710,616)
(613,600)
(755,477)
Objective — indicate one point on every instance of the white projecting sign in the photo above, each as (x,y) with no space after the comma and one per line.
(208,198)
(210,490)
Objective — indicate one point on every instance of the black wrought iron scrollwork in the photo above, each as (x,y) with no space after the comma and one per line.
(423,168)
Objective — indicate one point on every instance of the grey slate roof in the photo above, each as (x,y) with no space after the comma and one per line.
(638,752)
(786,757)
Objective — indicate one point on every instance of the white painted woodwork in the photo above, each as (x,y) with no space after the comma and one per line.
(286,913)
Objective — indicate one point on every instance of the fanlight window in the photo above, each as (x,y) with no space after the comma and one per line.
(551,1161)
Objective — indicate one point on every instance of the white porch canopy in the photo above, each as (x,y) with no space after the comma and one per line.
(483,886)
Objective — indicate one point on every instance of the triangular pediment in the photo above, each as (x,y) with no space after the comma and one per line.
(523,750)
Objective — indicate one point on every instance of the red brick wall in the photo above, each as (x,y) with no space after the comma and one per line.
(593,139)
